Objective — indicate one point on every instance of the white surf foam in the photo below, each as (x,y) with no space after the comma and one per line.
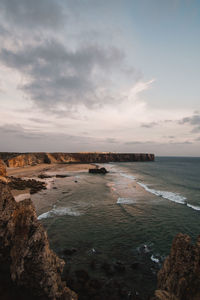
(165,194)
(127,176)
(60,211)
(154,259)
(193,206)
(125,201)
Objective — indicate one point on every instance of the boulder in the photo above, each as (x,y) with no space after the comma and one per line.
(98,171)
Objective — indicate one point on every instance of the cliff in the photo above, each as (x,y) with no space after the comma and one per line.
(21,160)
(179,278)
(27,263)
(2,169)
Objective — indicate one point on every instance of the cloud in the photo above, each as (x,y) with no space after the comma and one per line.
(192,120)
(29,14)
(138,142)
(112,141)
(54,76)
(149,125)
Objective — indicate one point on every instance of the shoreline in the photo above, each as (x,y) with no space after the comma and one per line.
(32,172)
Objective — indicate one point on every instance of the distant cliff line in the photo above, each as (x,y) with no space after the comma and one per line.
(24,159)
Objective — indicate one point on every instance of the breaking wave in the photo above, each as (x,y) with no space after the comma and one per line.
(61,211)
(165,194)
(193,206)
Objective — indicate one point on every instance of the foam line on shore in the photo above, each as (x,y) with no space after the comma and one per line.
(60,211)
(193,206)
(127,176)
(121,200)
(165,194)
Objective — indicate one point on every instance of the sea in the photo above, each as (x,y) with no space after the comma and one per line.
(120,226)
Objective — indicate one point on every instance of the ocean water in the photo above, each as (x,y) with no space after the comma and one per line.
(130,215)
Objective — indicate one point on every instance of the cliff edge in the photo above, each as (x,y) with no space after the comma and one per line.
(25,256)
(24,159)
(179,278)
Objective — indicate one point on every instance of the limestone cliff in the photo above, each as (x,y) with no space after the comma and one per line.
(179,278)
(25,159)
(2,168)
(25,253)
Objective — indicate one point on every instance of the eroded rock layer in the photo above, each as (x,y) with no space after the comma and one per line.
(2,168)
(21,160)
(179,278)
(25,253)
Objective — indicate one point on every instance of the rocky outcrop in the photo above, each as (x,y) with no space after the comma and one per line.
(98,171)
(25,159)
(179,278)
(33,185)
(3,172)
(25,253)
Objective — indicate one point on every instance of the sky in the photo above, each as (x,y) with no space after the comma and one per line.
(100,75)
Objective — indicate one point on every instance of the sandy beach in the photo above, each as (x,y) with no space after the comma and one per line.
(32,172)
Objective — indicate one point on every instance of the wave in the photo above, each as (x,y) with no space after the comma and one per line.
(165,194)
(154,259)
(127,176)
(125,201)
(193,206)
(61,211)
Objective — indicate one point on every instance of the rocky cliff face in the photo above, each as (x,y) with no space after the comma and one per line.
(179,278)
(2,169)
(22,160)
(25,254)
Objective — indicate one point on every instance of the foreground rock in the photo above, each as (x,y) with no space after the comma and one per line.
(3,172)
(179,278)
(98,171)
(25,257)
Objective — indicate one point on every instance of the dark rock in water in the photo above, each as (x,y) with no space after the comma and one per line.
(98,171)
(119,266)
(135,265)
(108,269)
(82,276)
(75,181)
(70,251)
(61,176)
(32,266)
(55,188)
(179,278)
(44,176)
(93,264)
